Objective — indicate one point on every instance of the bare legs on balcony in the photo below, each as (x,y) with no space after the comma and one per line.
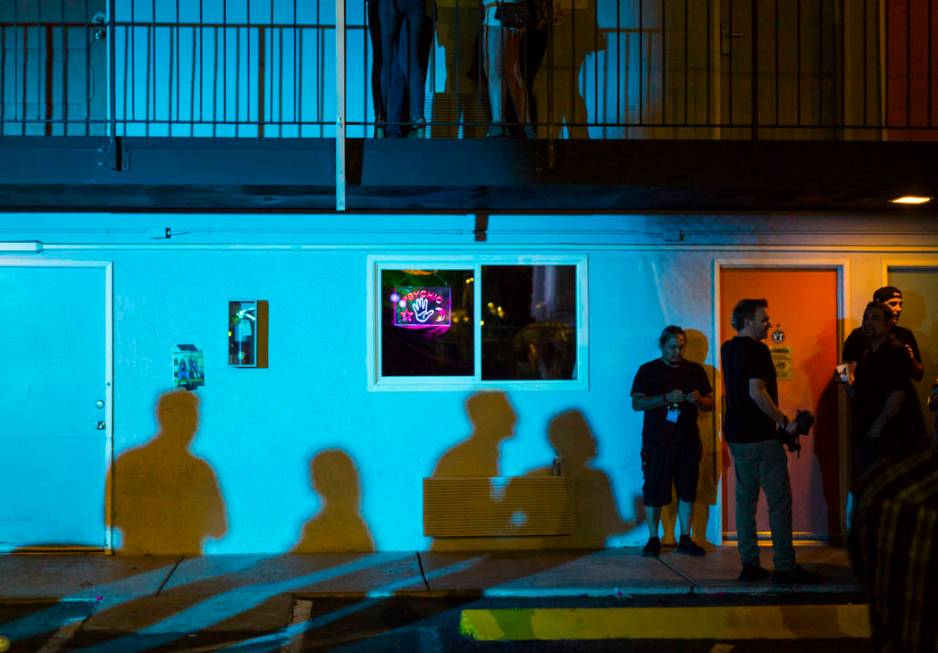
(502,50)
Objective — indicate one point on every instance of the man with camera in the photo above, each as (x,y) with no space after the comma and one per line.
(670,390)
(754,428)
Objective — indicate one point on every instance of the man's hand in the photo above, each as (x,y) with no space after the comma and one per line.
(674,397)
(692,397)
(792,427)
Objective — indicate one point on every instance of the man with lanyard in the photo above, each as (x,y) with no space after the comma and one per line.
(670,390)
(751,429)
(857,343)
(887,420)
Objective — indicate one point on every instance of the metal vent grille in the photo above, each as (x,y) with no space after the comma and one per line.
(498,506)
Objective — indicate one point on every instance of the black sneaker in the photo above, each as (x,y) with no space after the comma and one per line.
(652,548)
(752,572)
(688,547)
(797,575)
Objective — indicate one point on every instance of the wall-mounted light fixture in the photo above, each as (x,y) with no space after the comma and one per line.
(911,200)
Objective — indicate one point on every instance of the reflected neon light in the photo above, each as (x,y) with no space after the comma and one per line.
(421,308)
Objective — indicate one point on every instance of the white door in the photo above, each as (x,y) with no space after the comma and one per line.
(54,404)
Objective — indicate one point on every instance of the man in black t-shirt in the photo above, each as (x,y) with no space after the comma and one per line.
(751,429)
(670,390)
(856,343)
(886,418)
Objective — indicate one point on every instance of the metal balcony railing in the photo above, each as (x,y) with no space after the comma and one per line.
(599,69)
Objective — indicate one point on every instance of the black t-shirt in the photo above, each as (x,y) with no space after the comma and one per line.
(879,374)
(657,378)
(745,359)
(856,343)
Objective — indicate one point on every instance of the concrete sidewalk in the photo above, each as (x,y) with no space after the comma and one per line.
(155,596)
(603,573)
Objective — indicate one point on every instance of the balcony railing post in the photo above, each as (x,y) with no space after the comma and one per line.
(111,34)
(339,105)
(754,43)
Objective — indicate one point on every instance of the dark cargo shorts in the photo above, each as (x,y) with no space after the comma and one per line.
(670,464)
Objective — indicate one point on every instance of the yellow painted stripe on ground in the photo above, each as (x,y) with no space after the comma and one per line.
(724,622)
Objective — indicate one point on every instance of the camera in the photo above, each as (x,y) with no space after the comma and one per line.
(804,420)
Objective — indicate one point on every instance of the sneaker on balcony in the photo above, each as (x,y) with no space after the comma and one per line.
(797,575)
(652,548)
(688,547)
(418,128)
(753,572)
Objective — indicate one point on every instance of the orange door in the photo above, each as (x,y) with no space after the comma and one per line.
(803,303)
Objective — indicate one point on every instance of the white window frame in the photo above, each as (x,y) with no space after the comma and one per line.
(378,263)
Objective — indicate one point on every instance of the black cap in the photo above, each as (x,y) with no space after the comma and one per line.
(886,293)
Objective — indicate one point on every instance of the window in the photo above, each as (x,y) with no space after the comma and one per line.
(467,322)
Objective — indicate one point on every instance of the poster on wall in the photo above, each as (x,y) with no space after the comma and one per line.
(188,367)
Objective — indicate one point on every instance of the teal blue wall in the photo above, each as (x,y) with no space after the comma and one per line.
(260,428)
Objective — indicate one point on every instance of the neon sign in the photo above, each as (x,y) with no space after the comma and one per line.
(420,307)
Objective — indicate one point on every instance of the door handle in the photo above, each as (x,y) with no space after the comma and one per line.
(101,425)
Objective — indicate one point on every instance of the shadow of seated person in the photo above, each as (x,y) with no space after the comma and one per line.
(338,526)
(165,499)
(493,420)
(596,513)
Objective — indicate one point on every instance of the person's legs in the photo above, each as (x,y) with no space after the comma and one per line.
(379,101)
(391,78)
(746,462)
(652,520)
(414,14)
(777,487)
(657,465)
(685,510)
(686,475)
(514,75)
(492,60)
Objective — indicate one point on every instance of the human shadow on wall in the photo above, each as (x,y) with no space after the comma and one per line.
(493,421)
(499,561)
(596,513)
(165,500)
(338,526)
(825,442)
(227,592)
(711,459)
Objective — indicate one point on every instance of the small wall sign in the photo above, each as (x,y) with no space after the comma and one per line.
(784,359)
(188,367)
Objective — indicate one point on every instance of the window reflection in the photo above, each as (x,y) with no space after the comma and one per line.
(528,322)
